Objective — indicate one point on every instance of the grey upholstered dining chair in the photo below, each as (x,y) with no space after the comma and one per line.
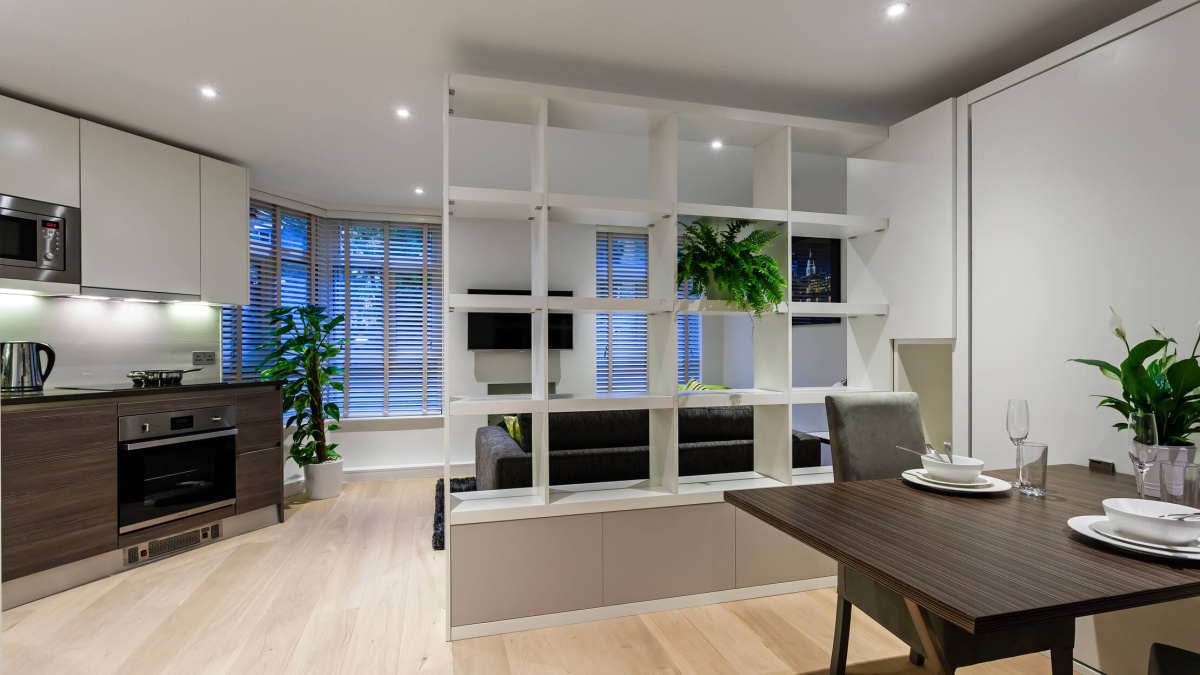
(1168,660)
(864,430)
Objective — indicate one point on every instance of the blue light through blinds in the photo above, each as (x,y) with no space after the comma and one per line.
(622,271)
(385,277)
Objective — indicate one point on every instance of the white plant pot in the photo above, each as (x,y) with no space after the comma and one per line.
(712,292)
(323,481)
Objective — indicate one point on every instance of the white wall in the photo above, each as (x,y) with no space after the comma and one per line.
(97,341)
(1083,195)
(926,370)
(708,176)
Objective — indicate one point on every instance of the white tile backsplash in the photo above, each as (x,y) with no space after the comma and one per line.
(98,341)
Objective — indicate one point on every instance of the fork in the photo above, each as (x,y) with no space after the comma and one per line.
(1180,516)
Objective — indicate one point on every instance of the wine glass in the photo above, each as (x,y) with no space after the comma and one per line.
(1018,429)
(1143,445)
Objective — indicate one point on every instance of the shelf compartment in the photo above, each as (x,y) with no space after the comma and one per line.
(480,302)
(493,204)
(496,404)
(633,400)
(493,100)
(719,398)
(610,211)
(807,395)
(614,305)
(716,307)
(733,212)
(842,309)
(833,225)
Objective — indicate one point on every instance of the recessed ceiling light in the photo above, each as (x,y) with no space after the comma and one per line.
(403,112)
(419,191)
(716,145)
(897,8)
(208,92)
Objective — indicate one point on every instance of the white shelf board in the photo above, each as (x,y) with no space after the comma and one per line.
(805,395)
(833,225)
(720,484)
(511,101)
(617,305)
(493,204)
(738,212)
(844,309)
(715,307)
(639,400)
(496,404)
(612,211)
(480,302)
(714,398)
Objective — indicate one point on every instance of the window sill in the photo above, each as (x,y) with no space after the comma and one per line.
(414,423)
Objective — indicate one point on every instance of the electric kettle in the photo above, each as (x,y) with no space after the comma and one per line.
(21,366)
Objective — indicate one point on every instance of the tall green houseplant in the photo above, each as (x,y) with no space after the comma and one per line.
(1154,380)
(721,257)
(302,354)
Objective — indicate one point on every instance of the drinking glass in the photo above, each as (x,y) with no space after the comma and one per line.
(1033,469)
(1143,446)
(1018,429)
(1179,483)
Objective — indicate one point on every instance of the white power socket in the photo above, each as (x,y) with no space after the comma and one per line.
(204,358)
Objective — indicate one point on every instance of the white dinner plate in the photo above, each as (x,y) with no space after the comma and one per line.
(1106,528)
(1083,525)
(980,481)
(915,477)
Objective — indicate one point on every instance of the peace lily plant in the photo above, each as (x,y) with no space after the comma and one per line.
(1155,380)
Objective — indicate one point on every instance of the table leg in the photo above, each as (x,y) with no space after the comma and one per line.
(935,658)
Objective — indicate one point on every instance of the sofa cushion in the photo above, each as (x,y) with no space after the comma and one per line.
(589,429)
(705,457)
(698,425)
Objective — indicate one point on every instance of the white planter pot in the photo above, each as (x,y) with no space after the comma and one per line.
(712,292)
(323,481)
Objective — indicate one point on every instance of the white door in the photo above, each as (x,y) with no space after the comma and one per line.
(224,233)
(39,154)
(140,213)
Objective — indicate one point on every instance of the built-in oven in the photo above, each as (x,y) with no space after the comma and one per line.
(172,465)
(38,241)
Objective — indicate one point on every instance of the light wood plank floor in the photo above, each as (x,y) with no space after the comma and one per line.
(352,585)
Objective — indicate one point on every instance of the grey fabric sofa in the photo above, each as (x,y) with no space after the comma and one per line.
(588,447)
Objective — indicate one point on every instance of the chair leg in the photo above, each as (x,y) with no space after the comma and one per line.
(1062,661)
(841,637)
(916,658)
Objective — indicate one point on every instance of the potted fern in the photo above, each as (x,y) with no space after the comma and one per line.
(723,265)
(302,355)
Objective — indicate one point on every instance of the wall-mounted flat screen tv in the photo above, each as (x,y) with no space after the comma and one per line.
(492,331)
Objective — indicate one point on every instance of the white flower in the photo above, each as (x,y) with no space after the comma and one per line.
(1116,325)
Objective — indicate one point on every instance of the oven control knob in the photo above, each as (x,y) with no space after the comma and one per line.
(49,255)
(214,419)
(145,428)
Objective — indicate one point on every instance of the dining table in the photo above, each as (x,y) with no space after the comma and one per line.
(983,562)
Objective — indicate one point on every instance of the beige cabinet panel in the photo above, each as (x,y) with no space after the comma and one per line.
(669,552)
(224,233)
(39,153)
(517,568)
(140,213)
(766,555)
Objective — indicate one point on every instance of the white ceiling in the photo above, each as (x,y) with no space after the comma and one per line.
(309,88)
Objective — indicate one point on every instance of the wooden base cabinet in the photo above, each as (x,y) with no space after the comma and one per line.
(259,479)
(58,485)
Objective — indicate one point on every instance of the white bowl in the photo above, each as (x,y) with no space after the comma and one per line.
(963,470)
(1139,518)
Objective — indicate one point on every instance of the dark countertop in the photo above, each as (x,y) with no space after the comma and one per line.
(54,395)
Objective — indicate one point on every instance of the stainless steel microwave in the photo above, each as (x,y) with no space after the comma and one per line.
(38,241)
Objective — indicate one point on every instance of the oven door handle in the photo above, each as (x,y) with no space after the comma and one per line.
(174,440)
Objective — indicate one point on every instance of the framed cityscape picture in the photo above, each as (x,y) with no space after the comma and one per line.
(816,275)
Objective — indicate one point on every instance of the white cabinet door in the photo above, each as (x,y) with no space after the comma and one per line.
(39,154)
(224,233)
(140,213)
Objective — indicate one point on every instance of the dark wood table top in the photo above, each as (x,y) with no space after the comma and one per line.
(983,562)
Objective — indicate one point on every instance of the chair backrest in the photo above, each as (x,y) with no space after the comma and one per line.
(864,430)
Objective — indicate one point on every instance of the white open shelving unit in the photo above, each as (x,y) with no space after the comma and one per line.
(772,138)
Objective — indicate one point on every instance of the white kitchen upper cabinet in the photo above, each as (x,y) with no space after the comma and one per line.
(140,213)
(224,233)
(39,153)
